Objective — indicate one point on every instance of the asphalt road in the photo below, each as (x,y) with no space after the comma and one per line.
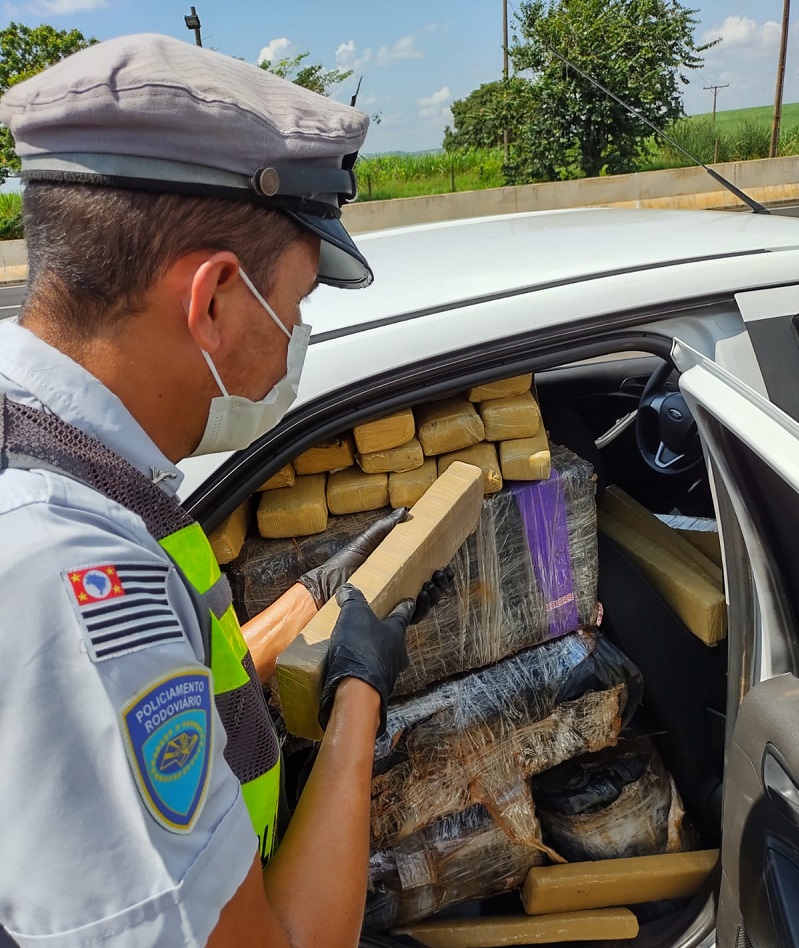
(11,296)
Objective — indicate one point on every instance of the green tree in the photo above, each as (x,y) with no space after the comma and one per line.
(24,51)
(642,50)
(311,76)
(481,118)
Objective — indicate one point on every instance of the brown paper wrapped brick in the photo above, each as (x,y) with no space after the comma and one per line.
(482,455)
(352,491)
(385,433)
(228,538)
(399,567)
(407,457)
(448,425)
(526,459)
(406,487)
(502,389)
(332,456)
(285,477)
(508,418)
(297,511)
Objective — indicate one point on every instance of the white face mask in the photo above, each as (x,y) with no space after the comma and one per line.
(235,422)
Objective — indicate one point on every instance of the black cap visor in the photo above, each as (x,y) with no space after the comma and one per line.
(341,264)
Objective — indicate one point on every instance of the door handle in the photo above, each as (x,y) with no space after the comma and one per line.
(780,785)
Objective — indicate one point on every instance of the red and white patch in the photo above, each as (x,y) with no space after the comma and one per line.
(95,584)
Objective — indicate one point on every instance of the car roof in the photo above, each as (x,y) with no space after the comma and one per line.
(435,265)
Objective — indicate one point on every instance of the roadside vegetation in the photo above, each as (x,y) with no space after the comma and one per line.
(10,216)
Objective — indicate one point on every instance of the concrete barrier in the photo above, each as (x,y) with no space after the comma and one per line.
(771,180)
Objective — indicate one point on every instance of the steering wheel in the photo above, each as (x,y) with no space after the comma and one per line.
(665,431)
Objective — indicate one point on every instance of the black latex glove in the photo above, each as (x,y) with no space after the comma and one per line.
(363,646)
(431,593)
(324,581)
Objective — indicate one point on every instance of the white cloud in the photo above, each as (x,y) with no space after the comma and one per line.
(742,32)
(67,7)
(436,107)
(348,57)
(403,48)
(276,49)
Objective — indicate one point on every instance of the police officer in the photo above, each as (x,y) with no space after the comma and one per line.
(179,206)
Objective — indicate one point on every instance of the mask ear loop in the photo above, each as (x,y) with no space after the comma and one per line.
(215,374)
(250,286)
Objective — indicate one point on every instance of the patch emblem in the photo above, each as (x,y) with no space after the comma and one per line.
(167,731)
(124,608)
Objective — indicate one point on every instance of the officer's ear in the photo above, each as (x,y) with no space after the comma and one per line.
(212,288)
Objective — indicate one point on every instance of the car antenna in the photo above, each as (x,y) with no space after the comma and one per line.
(750,201)
(355,97)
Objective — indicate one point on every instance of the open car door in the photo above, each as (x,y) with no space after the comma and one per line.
(752,450)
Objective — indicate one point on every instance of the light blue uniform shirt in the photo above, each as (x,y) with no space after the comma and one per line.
(86,857)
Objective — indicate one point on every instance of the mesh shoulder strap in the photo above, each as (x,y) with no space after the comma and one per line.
(31,438)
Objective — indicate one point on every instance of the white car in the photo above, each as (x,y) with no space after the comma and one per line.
(611,308)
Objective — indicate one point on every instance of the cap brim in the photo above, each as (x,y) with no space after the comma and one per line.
(341,264)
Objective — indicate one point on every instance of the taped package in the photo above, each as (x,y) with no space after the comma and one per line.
(406,487)
(385,433)
(285,477)
(618,803)
(506,419)
(452,816)
(407,457)
(333,455)
(448,425)
(294,511)
(526,459)
(353,491)
(227,540)
(484,456)
(527,574)
(461,857)
(502,389)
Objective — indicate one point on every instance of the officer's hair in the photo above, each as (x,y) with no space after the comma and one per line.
(94,252)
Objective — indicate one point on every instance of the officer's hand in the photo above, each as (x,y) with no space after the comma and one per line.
(431,593)
(363,646)
(324,581)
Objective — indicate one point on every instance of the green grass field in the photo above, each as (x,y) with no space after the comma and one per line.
(763,115)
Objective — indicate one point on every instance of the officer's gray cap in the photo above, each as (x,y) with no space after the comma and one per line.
(150,112)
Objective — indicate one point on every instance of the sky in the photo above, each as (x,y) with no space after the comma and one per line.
(418,56)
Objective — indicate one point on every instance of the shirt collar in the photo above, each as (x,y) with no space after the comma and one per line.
(35,373)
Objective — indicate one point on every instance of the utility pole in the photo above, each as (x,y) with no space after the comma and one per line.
(715,91)
(505,133)
(193,23)
(775,128)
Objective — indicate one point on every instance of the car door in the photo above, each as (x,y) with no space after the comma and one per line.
(752,450)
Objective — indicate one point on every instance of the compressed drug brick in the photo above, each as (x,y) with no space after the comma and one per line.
(334,455)
(484,456)
(407,457)
(385,433)
(505,419)
(352,491)
(505,387)
(285,477)
(526,459)
(294,511)
(228,538)
(448,425)
(406,487)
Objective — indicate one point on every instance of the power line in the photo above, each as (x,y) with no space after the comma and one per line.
(715,91)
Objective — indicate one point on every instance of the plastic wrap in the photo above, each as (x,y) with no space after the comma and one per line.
(352,491)
(407,457)
(484,456)
(448,425)
(618,803)
(528,574)
(462,857)
(385,433)
(516,416)
(479,738)
(295,511)
(526,459)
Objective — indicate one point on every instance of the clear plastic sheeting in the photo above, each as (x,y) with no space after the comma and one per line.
(527,574)
(621,802)
(478,739)
(461,857)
